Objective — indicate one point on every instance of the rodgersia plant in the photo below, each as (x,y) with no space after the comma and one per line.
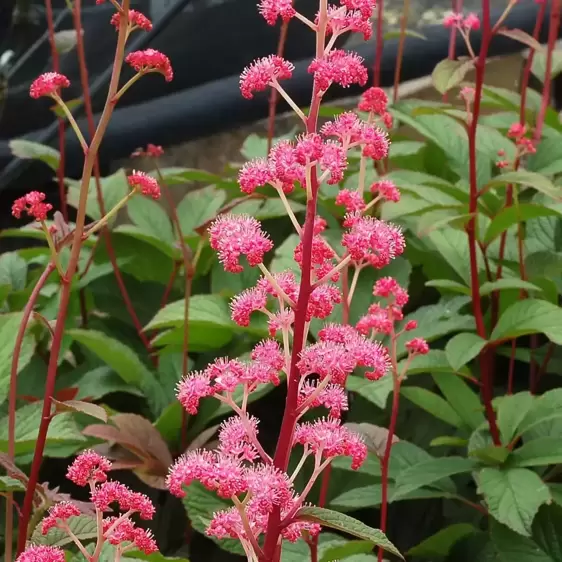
(267,508)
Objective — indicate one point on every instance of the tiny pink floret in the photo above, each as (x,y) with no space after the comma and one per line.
(146,184)
(48,84)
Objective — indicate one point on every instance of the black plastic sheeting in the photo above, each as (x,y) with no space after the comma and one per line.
(218,106)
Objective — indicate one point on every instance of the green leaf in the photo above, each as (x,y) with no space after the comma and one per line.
(461,397)
(430,472)
(375,393)
(522,37)
(349,548)
(35,151)
(84,527)
(511,547)
(9,326)
(515,214)
(462,348)
(13,271)
(453,286)
(539,452)
(440,544)
(63,430)
(506,284)
(450,73)
(527,179)
(530,316)
(114,188)
(448,441)
(545,408)
(200,504)
(511,412)
(407,33)
(548,158)
(8,484)
(153,557)
(538,67)
(513,496)
(125,362)
(433,362)
(433,404)
(151,218)
(491,455)
(210,326)
(199,207)
(346,524)
(161,245)
(178,176)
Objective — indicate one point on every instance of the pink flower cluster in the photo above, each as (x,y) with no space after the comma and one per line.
(470,22)
(523,145)
(146,184)
(90,469)
(33,205)
(137,20)
(48,84)
(151,60)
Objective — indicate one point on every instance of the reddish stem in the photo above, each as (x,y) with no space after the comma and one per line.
(553,28)
(528,65)
(61,123)
(486,357)
(12,397)
(84,81)
(67,283)
(170,285)
(274,96)
(400,53)
(379,44)
(385,463)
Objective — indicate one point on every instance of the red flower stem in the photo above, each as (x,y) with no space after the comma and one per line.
(529,64)
(170,284)
(84,81)
(486,357)
(12,397)
(271,551)
(379,44)
(400,53)
(553,28)
(66,281)
(274,95)
(385,463)
(61,123)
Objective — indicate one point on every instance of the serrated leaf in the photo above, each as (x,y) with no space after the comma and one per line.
(84,407)
(13,270)
(8,484)
(538,67)
(530,316)
(151,218)
(461,397)
(522,37)
(506,284)
(491,455)
(125,362)
(433,404)
(430,472)
(28,150)
(63,430)
(513,496)
(515,214)
(538,452)
(375,393)
(450,73)
(440,544)
(463,348)
(199,207)
(511,412)
(83,527)
(346,524)
(527,179)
